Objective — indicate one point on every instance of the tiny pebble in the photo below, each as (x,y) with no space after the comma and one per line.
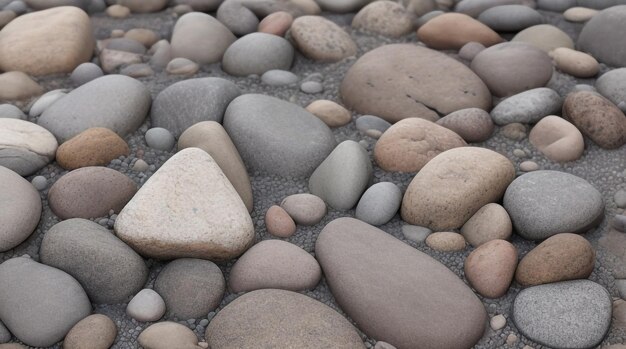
(497,322)
(528,166)
(160,139)
(140,166)
(40,183)
(311,87)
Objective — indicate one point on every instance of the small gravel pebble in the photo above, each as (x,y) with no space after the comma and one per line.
(311,87)
(528,166)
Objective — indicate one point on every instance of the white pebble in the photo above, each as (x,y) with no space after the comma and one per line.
(497,322)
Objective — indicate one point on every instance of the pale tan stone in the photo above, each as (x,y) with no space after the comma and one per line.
(446,241)
(576,63)
(451,31)
(333,114)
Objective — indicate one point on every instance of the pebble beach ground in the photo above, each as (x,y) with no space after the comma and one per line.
(312,174)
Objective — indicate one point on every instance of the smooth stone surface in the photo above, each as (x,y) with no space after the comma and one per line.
(238,18)
(90,192)
(446,241)
(167,334)
(45,101)
(25,147)
(575,63)
(117,102)
(20,209)
(5,335)
(95,146)
(450,31)
(56,301)
(279,223)
(472,124)
(343,176)
(188,208)
(475,7)
(561,257)
(85,72)
(147,305)
(470,50)
(17,86)
(571,314)
(333,114)
(211,137)
(510,18)
(611,85)
(188,102)
(387,286)
(143,6)
(383,17)
(490,268)
(12,112)
(257,53)
(601,36)
(415,232)
(200,38)
(182,66)
(555,5)
(527,107)
(293,319)
(191,288)
(546,203)
(109,270)
(454,185)
(411,143)
(341,6)
(512,67)
(276,23)
(321,40)
(145,36)
(491,222)
(94,332)
(379,204)
(545,37)
(160,139)
(579,14)
(277,137)
(528,166)
(47,42)
(597,118)
(557,139)
(370,122)
(274,264)
(279,78)
(311,87)
(402,81)
(305,209)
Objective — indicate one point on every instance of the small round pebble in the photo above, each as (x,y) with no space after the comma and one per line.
(333,114)
(182,66)
(85,73)
(96,331)
(40,183)
(415,232)
(620,198)
(305,209)
(140,166)
(371,122)
(279,223)
(118,11)
(379,203)
(446,241)
(311,87)
(279,77)
(497,322)
(470,50)
(147,305)
(619,222)
(528,166)
(160,139)
(514,131)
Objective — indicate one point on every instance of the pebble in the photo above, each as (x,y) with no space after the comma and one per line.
(123,44)
(17,86)
(279,223)
(160,139)
(414,285)
(85,72)
(182,66)
(112,60)
(475,7)
(470,50)
(208,210)
(96,331)
(510,18)
(527,107)
(514,131)
(555,5)
(331,113)
(579,14)
(620,198)
(25,147)
(118,11)
(20,209)
(427,16)
(473,124)
(601,36)
(137,70)
(305,209)
(367,123)
(403,81)
(295,321)
(257,53)
(162,55)
(341,6)
(439,201)
(45,101)
(146,306)
(238,18)
(446,242)
(490,222)
(557,139)
(141,6)
(528,166)
(166,335)
(611,85)
(66,32)
(379,204)
(17,6)
(90,192)
(450,31)
(145,36)
(490,268)
(40,183)
(497,322)
(411,143)
(575,63)
(140,166)
(200,38)
(5,335)
(545,203)
(276,23)
(95,146)
(512,67)
(571,314)
(415,233)
(6,16)
(311,87)
(11,112)
(321,40)
(190,287)
(545,37)
(279,78)
(274,264)
(385,18)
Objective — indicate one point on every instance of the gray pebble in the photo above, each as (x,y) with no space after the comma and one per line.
(40,183)
(85,73)
(278,77)
(44,102)
(5,335)
(371,122)
(11,111)
(415,232)
(160,139)
(470,50)
(379,203)
(619,223)
(311,87)
(621,287)
(257,53)
(19,7)
(527,107)
(140,166)
(620,198)
(510,18)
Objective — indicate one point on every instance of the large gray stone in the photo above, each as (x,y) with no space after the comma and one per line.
(25,147)
(106,267)
(570,314)
(379,203)
(602,36)
(527,107)
(257,53)
(117,102)
(612,85)
(189,102)
(39,304)
(277,137)
(546,203)
(396,293)
(343,176)
(510,18)
(280,319)
(20,209)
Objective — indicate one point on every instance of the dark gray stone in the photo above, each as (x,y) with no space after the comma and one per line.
(188,102)
(510,18)
(545,203)
(108,269)
(257,53)
(237,18)
(379,203)
(277,137)
(603,37)
(570,314)
(619,223)
(527,107)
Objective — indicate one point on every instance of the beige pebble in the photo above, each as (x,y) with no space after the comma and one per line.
(145,36)
(490,268)
(182,9)
(383,17)
(579,14)
(528,166)
(333,114)
(182,66)
(514,131)
(118,11)
(6,17)
(279,223)
(557,139)
(497,322)
(491,222)
(446,241)
(374,133)
(276,23)
(16,85)
(117,33)
(575,63)
(511,339)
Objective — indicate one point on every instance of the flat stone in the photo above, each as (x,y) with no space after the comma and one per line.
(343,176)
(333,114)
(557,139)
(402,81)
(17,86)
(579,14)
(545,37)
(451,31)
(490,222)
(490,268)
(146,305)
(510,18)
(454,185)
(43,322)
(279,78)
(25,147)
(279,223)
(90,192)
(446,241)
(571,314)
(472,124)
(188,208)
(387,287)
(200,38)
(321,40)
(475,7)
(305,209)
(383,17)
(257,53)
(165,335)
(527,107)
(546,203)
(20,209)
(182,66)
(274,264)
(138,70)
(96,146)
(379,204)
(601,36)
(277,137)
(142,6)
(96,331)
(295,321)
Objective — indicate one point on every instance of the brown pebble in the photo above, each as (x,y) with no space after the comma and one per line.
(279,223)
(96,146)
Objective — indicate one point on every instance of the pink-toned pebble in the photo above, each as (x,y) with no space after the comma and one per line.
(276,23)
(279,223)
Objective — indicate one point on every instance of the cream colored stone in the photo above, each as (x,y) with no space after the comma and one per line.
(489,223)
(579,14)
(446,241)
(557,139)
(322,40)
(384,17)
(576,63)
(333,114)
(15,86)
(490,268)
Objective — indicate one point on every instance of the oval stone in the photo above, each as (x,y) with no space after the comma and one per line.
(167,334)
(527,107)
(379,204)
(96,146)
(305,209)
(96,331)
(394,292)
(602,35)
(201,38)
(575,63)
(472,124)
(257,53)
(401,80)
(25,147)
(557,139)
(545,37)
(383,17)
(490,268)
(491,222)
(450,31)
(612,85)
(20,209)
(321,39)
(510,18)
